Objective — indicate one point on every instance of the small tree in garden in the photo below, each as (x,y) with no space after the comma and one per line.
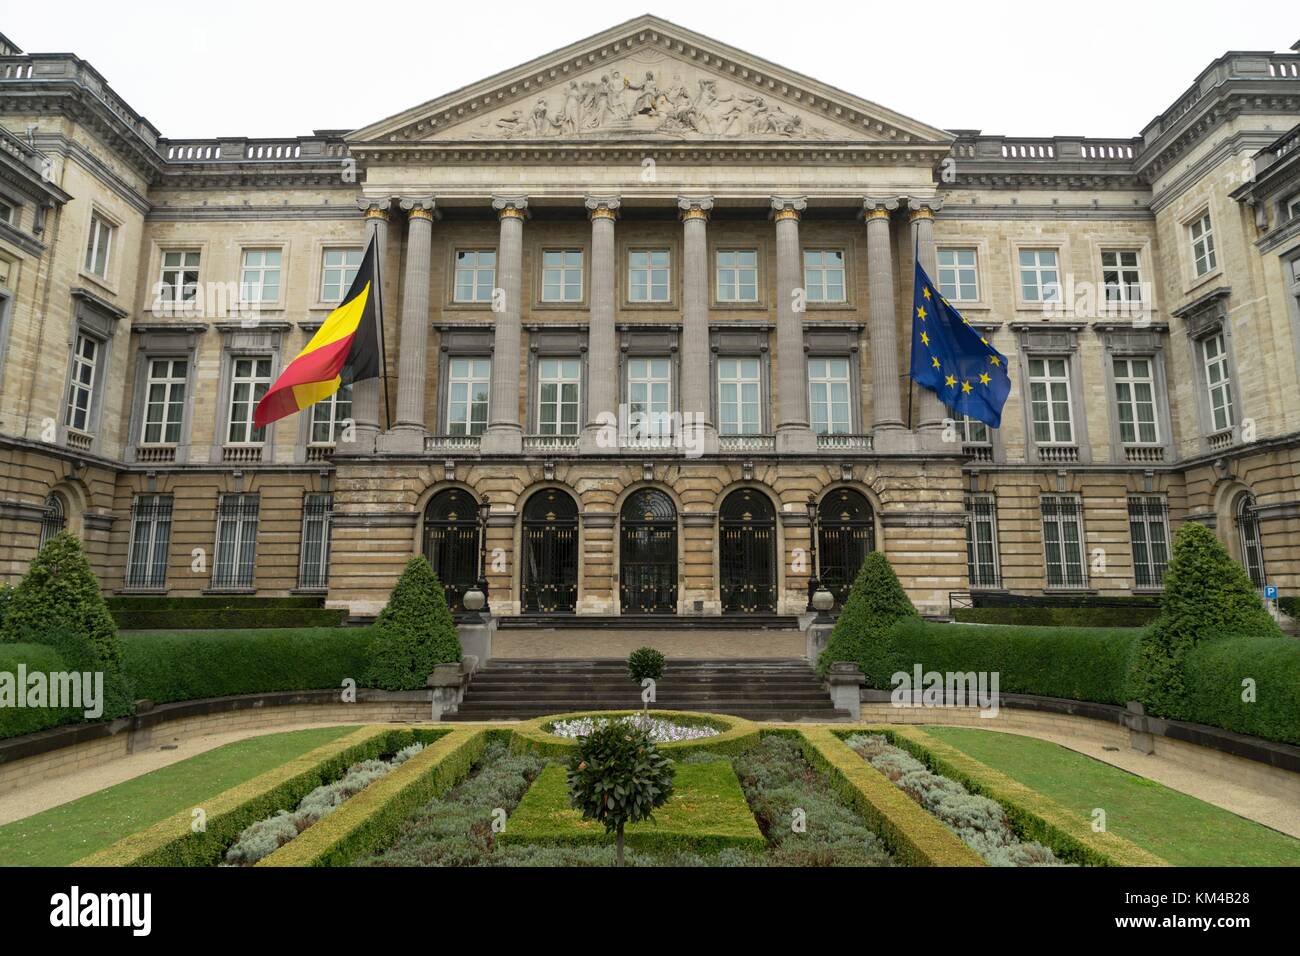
(1207,595)
(60,593)
(876,603)
(617,777)
(645,663)
(413,633)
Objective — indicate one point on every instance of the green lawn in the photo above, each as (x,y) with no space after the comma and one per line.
(707,811)
(63,834)
(1181,829)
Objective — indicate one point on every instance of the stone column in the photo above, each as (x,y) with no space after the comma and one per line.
(602,375)
(792,432)
(698,429)
(504,435)
(931,411)
(366,399)
(408,434)
(888,430)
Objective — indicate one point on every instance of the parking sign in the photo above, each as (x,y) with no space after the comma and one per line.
(1270,592)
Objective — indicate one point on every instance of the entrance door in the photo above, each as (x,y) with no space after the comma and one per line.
(747,553)
(648,554)
(550,553)
(846,536)
(451,542)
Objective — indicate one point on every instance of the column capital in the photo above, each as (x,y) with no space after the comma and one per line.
(375,208)
(420,208)
(923,208)
(873,208)
(602,207)
(694,207)
(510,207)
(788,207)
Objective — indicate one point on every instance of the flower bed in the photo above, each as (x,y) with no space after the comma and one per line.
(734,734)
(981,823)
(661,731)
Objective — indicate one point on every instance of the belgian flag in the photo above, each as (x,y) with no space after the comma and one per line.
(350,340)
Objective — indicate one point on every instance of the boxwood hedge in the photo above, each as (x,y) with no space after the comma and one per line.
(1042,616)
(1214,676)
(15,721)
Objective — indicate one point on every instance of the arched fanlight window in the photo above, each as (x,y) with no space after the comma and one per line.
(1252,548)
(55,518)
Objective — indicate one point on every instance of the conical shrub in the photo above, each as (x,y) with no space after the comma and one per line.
(414,631)
(876,603)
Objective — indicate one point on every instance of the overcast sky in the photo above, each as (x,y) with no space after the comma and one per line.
(268,68)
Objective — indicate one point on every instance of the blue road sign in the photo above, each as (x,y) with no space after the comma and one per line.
(1270,591)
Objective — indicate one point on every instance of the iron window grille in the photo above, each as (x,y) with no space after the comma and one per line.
(1148,521)
(1252,546)
(314,561)
(151,534)
(54,519)
(236,542)
(982,541)
(1063,542)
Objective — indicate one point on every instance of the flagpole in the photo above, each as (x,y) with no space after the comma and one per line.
(383,352)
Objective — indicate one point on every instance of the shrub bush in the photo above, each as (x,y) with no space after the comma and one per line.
(16,721)
(876,603)
(1213,674)
(1135,616)
(240,618)
(413,633)
(1207,595)
(645,662)
(60,592)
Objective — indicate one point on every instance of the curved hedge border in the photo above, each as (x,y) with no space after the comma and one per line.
(1033,815)
(370,820)
(172,842)
(914,835)
(737,734)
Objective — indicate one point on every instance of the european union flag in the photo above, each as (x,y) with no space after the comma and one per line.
(953,360)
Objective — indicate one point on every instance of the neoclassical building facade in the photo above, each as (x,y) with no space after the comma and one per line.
(647,320)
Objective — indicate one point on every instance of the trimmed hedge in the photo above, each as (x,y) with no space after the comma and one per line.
(876,603)
(16,721)
(243,618)
(1213,675)
(193,664)
(133,602)
(1074,663)
(1032,815)
(414,632)
(914,835)
(1043,616)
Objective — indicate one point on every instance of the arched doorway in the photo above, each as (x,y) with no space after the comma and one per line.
(549,579)
(451,542)
(647,576)
(846,535)
(747,553)
(1252,546)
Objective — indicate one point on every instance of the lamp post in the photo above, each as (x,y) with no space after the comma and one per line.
(814,582)
(484,511)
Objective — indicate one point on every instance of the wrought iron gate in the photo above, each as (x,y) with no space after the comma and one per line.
(451,542)
(845,536)
(648,554)
(747,553)
(550,553)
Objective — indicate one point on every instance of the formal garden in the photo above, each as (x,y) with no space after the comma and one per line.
(653,787)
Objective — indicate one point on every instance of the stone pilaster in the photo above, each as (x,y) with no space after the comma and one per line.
(792,432)
(602,375)
(504,435)
(887,416)
(695,401)
(407,435)
(931,411)
(366,399)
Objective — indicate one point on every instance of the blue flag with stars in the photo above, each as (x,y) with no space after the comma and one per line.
(952,359)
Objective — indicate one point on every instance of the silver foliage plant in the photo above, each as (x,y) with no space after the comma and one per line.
(266,836)
(661,731)
(981,823)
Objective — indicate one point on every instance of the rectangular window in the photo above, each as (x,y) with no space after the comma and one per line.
(1063,541)
(338,269)
(1040,277)
(1218,382)
(823,275)
(314,559)
(179,282)
(236,554)
(1049,399)
(468,385)
(250,378)
(330,416)
(739,408)
(562,275)
(649,396)
(1135,399)
(7,212)
(81,388)
(98,247)
(969,430)
(737,278)
(1204,259)
(982,541)
(259,281)
(648,275)
(164,401)
(151,534)
(1121,275)
(1148,522)
(958,277)
(1291,208)
(558,385)
(829,410)
(476,275)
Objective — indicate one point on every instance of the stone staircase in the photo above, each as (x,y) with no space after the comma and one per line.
(756,688)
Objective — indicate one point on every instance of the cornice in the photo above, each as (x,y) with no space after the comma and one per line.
(248,213)
(842,152)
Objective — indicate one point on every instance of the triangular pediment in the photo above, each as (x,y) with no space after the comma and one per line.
(649,80)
